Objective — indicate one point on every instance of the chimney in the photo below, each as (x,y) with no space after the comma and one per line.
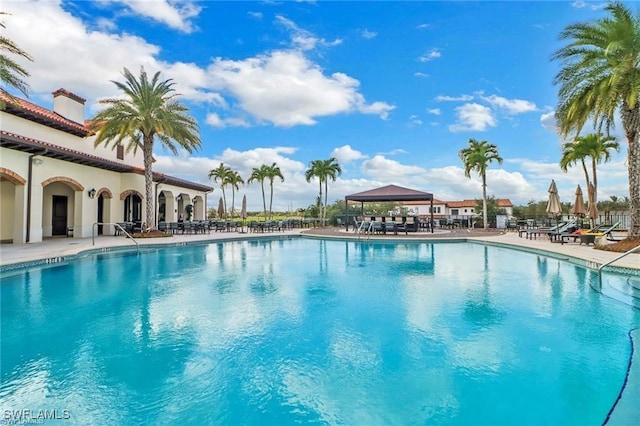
(69,105)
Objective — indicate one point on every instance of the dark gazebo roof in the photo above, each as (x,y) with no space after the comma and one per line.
(390,193)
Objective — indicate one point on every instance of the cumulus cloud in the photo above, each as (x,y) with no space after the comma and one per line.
(286,89)
(473,117)
(390,170)
(548,121)
(511,106)
(434,111)
(345,154)
(173,14)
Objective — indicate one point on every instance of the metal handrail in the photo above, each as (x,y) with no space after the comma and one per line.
(614,260)
(117,225)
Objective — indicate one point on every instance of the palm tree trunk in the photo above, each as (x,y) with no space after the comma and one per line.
(270,198)
(233,199)
(326,199)
(224,201)
(484,201)
(631,125)
(147,154)
(321,206)
(264,200)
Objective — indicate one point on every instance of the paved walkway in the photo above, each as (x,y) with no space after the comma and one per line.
(54,247)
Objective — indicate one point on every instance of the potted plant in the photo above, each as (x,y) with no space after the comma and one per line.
(189,210)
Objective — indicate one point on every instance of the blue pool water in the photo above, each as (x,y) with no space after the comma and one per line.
(312,331)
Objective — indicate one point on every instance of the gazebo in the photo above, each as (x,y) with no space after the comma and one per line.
(389,193)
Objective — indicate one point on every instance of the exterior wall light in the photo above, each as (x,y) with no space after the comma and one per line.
(92,193)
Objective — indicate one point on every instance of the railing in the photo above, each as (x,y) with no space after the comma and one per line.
(613,260)
(117,225)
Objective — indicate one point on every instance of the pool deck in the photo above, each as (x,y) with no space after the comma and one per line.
(61,247)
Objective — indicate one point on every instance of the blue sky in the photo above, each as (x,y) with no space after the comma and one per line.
(393,90)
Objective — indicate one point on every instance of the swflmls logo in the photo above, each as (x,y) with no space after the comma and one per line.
(27,416)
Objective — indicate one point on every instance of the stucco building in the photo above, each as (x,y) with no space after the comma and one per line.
(54,182)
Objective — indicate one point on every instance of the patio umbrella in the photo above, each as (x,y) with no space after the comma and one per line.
(243,211)
(593,207)
(220,208)
(578,209)
(553,205)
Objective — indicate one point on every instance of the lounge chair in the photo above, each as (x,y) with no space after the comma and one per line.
(589,237)
(556,234)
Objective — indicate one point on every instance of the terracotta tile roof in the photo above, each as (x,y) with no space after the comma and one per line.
(34,146)
(30,111)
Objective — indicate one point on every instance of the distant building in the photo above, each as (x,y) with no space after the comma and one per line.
(53,181)
(452,209)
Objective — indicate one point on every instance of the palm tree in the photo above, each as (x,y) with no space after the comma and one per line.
(260,174)
(273,171)
(572,153)
(323,170)
(148,110)
(234,180)
(477,156)
(599,79)
(222,174)
(12,73)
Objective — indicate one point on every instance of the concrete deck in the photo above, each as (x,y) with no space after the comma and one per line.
(62,247)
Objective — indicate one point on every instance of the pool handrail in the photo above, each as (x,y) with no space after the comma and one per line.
(614,260)
(117,225)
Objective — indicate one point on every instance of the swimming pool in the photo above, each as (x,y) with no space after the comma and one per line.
(302,330)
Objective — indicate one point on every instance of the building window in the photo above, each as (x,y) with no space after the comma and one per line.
(454,212)
(120,152)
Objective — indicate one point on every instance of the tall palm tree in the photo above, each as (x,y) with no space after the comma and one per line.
(260,174)
(599,79)
(222,174)
(477,156)
(12,74)
(234,180)
(323,170)
(149,111)
(273,171)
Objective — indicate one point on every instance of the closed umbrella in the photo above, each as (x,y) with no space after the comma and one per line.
(593,207)
(578,209)
(553,205)
(221,208)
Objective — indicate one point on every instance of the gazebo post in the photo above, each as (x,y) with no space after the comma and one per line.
(431,220)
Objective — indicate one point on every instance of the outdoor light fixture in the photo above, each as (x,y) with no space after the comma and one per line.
(194,200)
(92,193)
(37,161)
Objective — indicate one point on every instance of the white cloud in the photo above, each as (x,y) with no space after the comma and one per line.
(421,74)
(430,55)
(303,39)
(388,170)
(548,121)
(463,98)
(286,89)
(368,34)
(512,106)
(473,117)
(434,111)
(423,26)
(174,14)
(414,120)
(345,154)
(255,15)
